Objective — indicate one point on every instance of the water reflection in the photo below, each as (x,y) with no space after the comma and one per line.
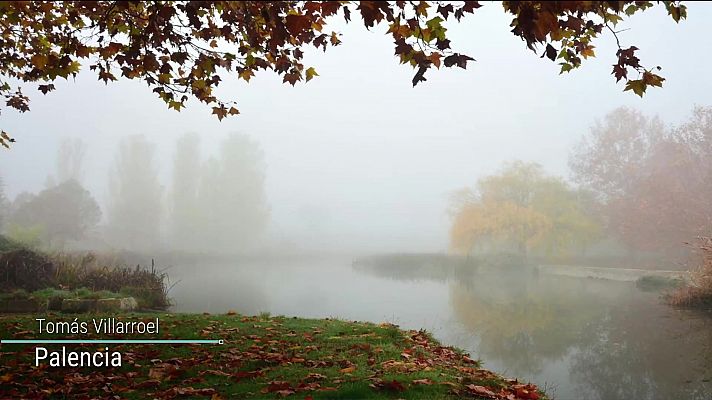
(646,352)
(582,338)
(589,338)
(525,325)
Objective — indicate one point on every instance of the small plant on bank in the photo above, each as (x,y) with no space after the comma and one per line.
(698,293)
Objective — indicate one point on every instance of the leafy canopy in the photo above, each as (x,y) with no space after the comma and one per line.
(181,48)
(524,207)
(654,180)
(38,213)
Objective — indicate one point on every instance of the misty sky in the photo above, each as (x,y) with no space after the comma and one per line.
(357,158)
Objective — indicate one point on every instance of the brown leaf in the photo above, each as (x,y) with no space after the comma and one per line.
(313,376)
(215,372)
(480,391)
(278,386)
(147,384)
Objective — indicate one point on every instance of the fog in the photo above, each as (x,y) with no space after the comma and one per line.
(553,225)
(357,159)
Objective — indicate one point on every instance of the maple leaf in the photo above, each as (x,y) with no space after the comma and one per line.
(549,52)
(292,78)
(297,24)
(392,385)
(445,11)
(619,72)
(457,59)
(481,391)
(221,112)
(638,86)
(310,73)
(652,79)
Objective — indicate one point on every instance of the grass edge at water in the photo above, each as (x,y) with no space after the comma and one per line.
(267,357)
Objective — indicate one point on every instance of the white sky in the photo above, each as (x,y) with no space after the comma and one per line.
(357,158)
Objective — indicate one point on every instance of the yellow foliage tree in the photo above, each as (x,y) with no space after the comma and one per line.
(524,208)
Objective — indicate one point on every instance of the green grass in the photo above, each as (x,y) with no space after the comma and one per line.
(262,355)
(48,293)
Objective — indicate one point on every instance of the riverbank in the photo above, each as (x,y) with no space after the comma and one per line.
(262,357)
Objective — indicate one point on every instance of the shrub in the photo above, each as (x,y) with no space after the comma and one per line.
(7,244)
(148,286)
(84,275)
(699,292)
(25,269)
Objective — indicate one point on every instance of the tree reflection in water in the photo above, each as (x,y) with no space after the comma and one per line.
(616,342)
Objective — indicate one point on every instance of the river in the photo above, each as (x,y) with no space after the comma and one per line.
(578,338)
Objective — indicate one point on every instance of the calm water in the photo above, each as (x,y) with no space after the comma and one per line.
(577,338)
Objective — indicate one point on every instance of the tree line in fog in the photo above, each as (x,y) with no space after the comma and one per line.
(640,187)
(213,204)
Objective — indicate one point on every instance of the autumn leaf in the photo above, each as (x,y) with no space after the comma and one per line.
(638,86)
(278,386)
(457,59)
(297,24)
(310,73)
(526,392)
(652,79)
(478,390)
(550,52)
(587,51)
(181,50)
(392,385)
(215,372)
(221,112)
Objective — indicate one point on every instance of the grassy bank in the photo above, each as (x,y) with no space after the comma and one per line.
(262,357)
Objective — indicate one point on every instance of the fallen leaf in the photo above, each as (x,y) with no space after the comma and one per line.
(215,372)
(481,391)
(313,376)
